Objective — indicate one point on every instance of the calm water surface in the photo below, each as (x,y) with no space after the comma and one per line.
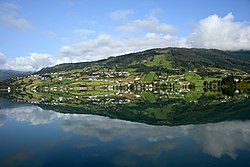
(31,136)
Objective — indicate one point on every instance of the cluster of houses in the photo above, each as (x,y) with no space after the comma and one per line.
(113,74)
(94,76)
(116,78)
(100,76)
(97,100)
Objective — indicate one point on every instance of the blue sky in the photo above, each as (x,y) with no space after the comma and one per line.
(36,34)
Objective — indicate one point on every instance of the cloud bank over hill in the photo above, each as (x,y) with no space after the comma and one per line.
(220,33)
(134,35)
(31,62)
(140,34)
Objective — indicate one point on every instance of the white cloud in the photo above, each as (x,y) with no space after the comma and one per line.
(32,62)
(135,35)
(49,33)
(9,7)
(121,15)
(106,45)
(140,34)
(15,21)
(155,12)
(9,15)
(91,49)
(1,58)
(221,33)
(84,31)
(89,22)
(148,25)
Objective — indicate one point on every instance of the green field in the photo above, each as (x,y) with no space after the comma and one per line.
(92,83)
(194,95)
(131,69)
(148,97)
(194,78)
(94,92)
(159,60)
(209,79)
(149,77)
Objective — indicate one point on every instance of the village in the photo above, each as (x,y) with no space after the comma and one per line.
(99,80)
(112,80)
(103,87)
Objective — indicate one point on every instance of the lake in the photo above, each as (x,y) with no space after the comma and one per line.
(206,131)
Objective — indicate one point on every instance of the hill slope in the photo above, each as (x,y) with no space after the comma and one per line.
(166,59)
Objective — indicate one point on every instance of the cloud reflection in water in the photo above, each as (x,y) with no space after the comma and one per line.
(218,139)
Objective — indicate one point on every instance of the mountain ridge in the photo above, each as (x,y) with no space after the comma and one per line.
(187,58)
(5,74)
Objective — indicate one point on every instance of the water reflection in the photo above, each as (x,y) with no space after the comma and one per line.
(214,139)
(29,113)
(135,139)
(223,138)
(2,120)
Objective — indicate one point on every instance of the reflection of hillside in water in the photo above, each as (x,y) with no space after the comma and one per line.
(121,96)
(224,138)
(155,107)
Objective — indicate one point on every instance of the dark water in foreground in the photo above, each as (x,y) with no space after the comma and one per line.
(31,136)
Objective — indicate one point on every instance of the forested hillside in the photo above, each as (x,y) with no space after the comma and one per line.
(166,59)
